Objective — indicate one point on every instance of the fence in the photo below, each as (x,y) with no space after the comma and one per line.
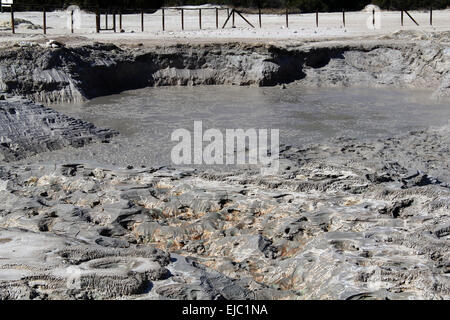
(222,17)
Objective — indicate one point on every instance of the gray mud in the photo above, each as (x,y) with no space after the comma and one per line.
(358,210)
(146,118)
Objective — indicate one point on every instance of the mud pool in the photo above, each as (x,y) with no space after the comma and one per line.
(146,118)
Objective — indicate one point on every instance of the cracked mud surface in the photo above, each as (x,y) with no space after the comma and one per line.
(348,219)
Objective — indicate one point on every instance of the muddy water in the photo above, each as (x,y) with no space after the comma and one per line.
(146,118)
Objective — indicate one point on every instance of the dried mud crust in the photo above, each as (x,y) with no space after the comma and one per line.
(27,128)
(345,220)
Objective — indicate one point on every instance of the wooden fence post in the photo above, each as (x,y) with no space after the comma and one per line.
(373,18)
(410,16)
(343,17)
(71,21)
(114,21)
(120,21)
(260,19)
(106,20)
(44,18)
(287,18)
(401,17)
(317,19)
(200,18)
(97,20)
(233,19)
(226,21)
(182,19)
(243,18)
(163,20)
(217,18)
(431,16)
(142,20)
(13,27)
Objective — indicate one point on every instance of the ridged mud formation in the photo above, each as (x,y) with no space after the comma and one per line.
(345,220)
(27,128)
(76,73)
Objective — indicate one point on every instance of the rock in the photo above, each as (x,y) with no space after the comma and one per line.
(442,230)
(18,22)
(419,179)
(5,185)
(396,209)
(54,44)
(375,178)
